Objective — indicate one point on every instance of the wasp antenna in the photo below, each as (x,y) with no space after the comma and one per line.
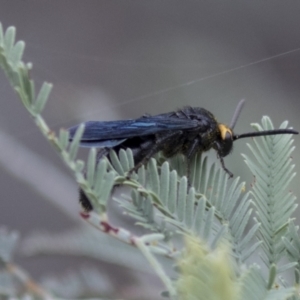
(237,113)
(264,133)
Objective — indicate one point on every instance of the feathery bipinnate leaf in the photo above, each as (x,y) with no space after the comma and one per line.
(292,245)
(253,286)
(163,203)
(18,73)
(273,171)
(231,207)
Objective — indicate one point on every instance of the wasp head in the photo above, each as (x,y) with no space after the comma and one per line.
(224,144)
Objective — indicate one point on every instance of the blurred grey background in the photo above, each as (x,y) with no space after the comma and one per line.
(120,59)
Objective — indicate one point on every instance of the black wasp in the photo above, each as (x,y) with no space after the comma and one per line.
(187,131)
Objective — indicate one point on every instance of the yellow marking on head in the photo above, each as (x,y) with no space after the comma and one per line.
(224,130)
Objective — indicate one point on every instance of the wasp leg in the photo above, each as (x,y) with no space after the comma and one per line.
(216,147)
(190,153)
(224,168)
(149,149)
(84,201)
(101,153)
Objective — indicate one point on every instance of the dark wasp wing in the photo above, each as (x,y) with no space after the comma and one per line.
(112,133)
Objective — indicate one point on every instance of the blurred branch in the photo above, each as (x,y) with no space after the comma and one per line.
(30,168)
(28,282)
(87,242)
